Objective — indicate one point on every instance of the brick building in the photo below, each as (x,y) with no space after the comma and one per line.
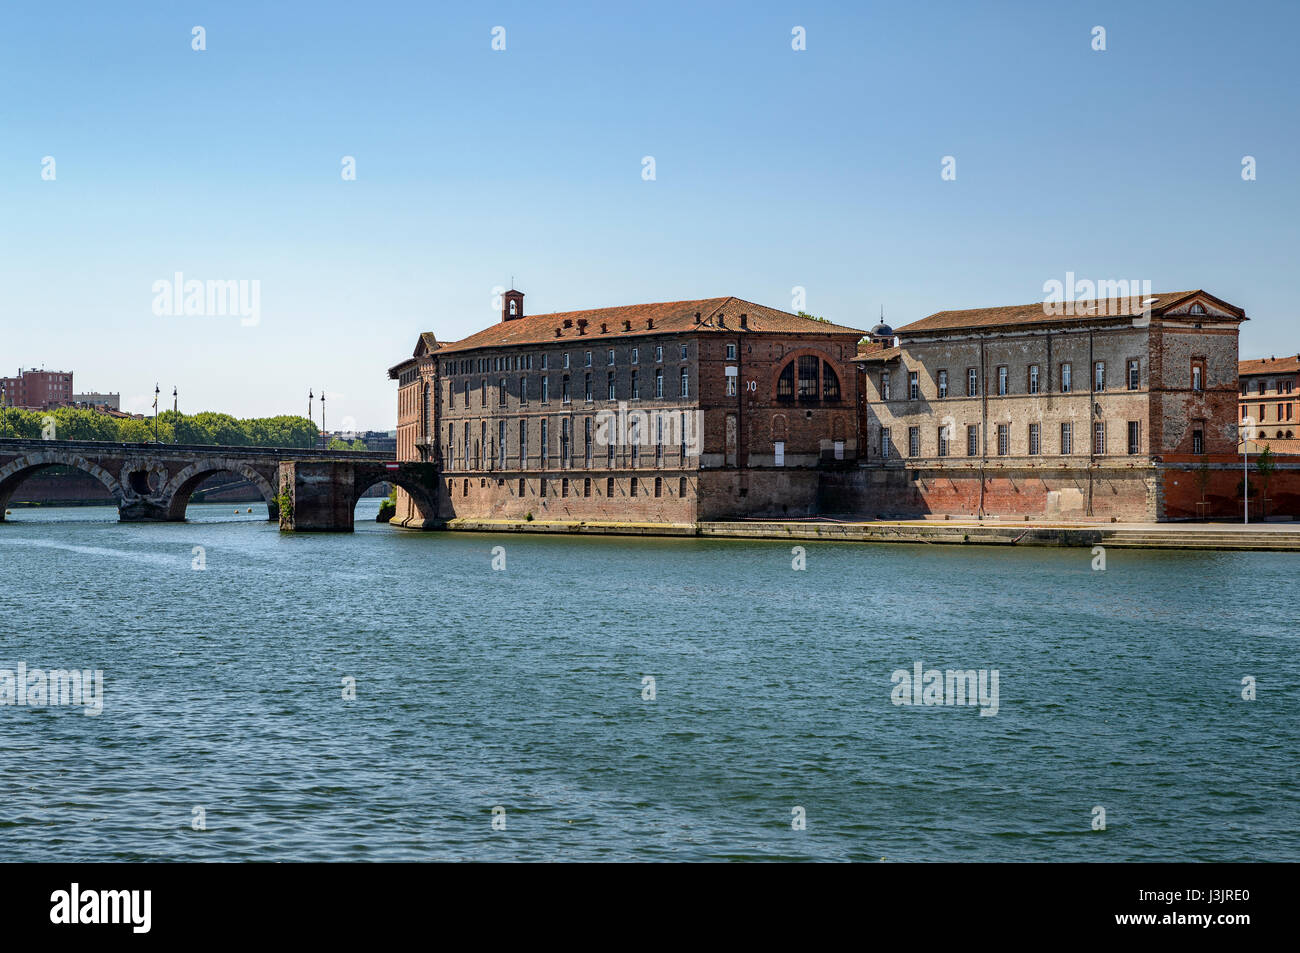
(671,412)
(1092,410)
(37,389)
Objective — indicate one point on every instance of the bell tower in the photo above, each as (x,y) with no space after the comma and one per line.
(512,305)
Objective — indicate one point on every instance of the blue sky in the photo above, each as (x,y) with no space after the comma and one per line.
(775,169)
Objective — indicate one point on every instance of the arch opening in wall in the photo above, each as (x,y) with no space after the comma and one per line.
(808,378)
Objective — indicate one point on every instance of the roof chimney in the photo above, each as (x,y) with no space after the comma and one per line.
(512,305)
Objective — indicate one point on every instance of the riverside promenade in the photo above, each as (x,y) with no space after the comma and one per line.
(1278,537)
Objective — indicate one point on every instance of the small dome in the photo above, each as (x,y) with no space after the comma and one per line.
(882,330)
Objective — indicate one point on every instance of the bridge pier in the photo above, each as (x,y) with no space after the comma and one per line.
(320,496)
(140,510)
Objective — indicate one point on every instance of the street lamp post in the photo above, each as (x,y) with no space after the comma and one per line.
(156,391)
(176,411)
(323,431)
(1245,479)
(310,417)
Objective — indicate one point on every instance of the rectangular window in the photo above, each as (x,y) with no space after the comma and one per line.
(523,390)
(1134,437)
(611,385)
(501,444)
(1066,379)
(1198,375)
(546,388)
(884,386)
(686,383)
(681,486)
(587,359)
(636,355)
(546,444)
(884,443)
(586,442)
(659,352)
(501,391)
(523,447)
(482,392)
(564,487)
(564,389)
(913,386)
(1067,439)
(943,441)
(587,388)
(1134,374)
(523,486)
(943,383)
(610,360)
(1198,441)
(731,386)
(566,360)
(1099,376)
(659,382)
(972,440)
(1033,378)
(633,487)
(546,361)
(1033,440)
(1002,381)
(972,382)
(913,441)
(609,486)
(731,352)
(1004,439)
(659,486)
(1099,438)
(636,387)
(778,453)
(541,487)
(586,486)
(684,351)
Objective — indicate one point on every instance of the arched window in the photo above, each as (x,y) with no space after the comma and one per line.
(808,378)
(1198,309)
(785,383)
(514,308)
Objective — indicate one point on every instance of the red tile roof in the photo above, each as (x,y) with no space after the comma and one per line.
(1036,313)
(716,315)
(1270,365)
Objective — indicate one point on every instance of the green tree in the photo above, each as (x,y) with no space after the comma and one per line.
(1265,466)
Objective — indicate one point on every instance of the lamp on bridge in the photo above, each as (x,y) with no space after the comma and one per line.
(310,397)
(156,391)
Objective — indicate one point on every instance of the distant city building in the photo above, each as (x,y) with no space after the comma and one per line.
(1268,400)
(37,389)
(108,401)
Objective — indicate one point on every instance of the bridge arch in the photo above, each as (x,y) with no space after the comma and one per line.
(15,472)
(418,481)
(181,487)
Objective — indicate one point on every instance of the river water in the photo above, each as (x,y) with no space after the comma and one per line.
(507,713)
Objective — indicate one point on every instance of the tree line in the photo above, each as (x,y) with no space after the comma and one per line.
(209,428)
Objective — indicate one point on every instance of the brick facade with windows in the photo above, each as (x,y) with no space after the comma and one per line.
(672,412)
(1088,414)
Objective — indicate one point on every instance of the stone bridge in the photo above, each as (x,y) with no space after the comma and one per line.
(153,482)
